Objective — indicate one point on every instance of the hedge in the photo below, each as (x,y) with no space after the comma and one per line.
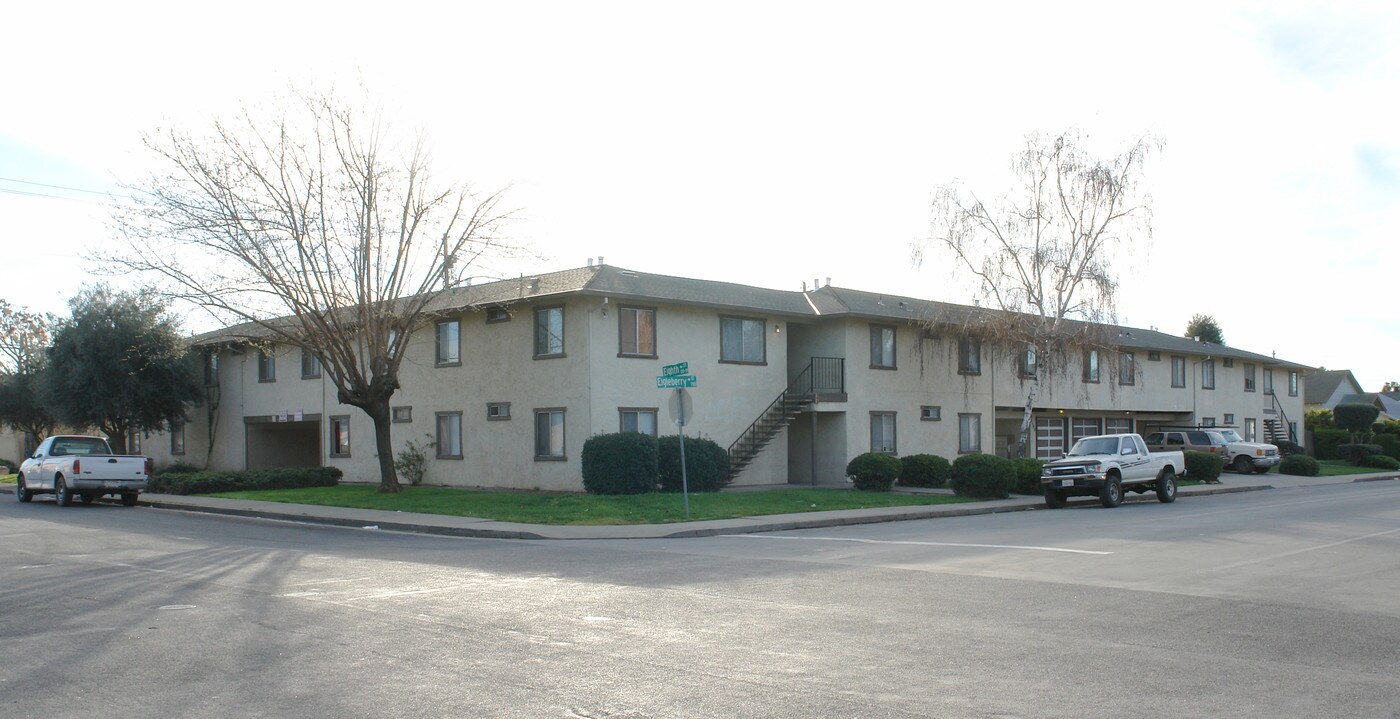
(207,482)
(619,463)
(706,464)
(1381,461)
(1299,465)
(1390,445)
(1204,466)
(985,476)
(1326,441)
(873,471)
(924,470)
(1028,472)
(1355,454)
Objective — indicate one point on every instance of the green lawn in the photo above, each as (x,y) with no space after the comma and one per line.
(1338,467)
(551,508)
(7,478)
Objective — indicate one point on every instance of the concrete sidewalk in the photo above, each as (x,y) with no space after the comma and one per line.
(490,528)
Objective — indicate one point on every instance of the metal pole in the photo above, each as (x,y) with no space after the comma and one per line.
(685,486)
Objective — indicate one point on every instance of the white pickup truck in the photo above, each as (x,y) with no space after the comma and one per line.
(1106,465)
(69,465)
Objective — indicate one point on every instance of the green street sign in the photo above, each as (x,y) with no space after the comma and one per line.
(674,381)
(679,368)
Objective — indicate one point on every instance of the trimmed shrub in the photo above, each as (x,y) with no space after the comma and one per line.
(182,468)
(1028,473)
(1318,419)
(1299,465)
(1355,417)
(985,476)
(1381,461)
(1355,454)
(1286,448)
(873,471)
(619,463)
(207,482)
(706,464)
(1389,444)
(1204,466)
(924,470)
(1326,441)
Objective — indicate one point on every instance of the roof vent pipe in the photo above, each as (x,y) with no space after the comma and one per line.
(590,261)
(828,282)
(816,283)
(600,259)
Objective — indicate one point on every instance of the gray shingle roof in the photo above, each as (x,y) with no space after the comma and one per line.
(1322,384)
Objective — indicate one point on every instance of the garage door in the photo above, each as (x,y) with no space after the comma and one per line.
(1049,437)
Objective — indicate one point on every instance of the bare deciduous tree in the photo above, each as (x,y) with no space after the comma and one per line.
(315,231)
(24,336)
(1042,255)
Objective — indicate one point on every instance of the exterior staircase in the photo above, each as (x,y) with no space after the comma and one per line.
(1275,431)
(825,375)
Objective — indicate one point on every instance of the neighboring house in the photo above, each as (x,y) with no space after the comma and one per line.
(509,378)
(13,446)
(1389,406)
(1326,388)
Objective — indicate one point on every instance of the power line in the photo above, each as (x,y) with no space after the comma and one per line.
(56,187)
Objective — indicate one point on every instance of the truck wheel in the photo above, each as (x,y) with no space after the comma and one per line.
(1166,486)
(1243,465)
(88,497)
(22,492)
(1054,498)
(1112,493)
(128,499)
(61,494)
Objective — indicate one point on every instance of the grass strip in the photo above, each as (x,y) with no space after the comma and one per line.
(586,509)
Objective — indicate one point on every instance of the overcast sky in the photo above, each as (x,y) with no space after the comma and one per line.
(774,143)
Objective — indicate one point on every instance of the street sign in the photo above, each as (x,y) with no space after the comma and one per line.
(682,406)
(672,370)
(674,381)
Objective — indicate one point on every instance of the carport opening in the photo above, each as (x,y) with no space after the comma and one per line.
(283,444)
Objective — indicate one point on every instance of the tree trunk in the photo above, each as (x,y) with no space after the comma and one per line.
(1026,418)
(378,411)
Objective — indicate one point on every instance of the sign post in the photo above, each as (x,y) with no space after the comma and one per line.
(673,376)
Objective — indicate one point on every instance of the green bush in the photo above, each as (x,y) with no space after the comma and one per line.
(412,461)
(1355,454)
(1286,448)
(1355,417)
(1028,473)
(706,464)
(619,463)
(924,470)
(182,468)
(1381,461)
(1299,465)
(1326,441)
(207,482)
(873,471)
(1389,444)
(985,476)
(1203,466)
(1318,419)
(8,467)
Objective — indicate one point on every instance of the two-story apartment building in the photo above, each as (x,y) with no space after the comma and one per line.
(509,378)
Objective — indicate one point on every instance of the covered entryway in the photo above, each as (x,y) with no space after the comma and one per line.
(273,443)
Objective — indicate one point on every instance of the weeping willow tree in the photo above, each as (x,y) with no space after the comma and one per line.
(314,228)
(1042,255)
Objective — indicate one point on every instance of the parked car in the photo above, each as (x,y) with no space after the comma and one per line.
(1245,457)
(1193,440)
(69,465)
(1106,465)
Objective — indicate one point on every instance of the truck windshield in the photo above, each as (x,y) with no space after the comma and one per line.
(1230,435)
(1094,445)
(79,445)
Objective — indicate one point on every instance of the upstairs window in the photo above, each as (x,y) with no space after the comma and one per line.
(497,314)
(549,332)
(636,332)
(1091,366)
(882,346)
(267,367)
(1208,374)
(1292,384)
(1028,362)
(211,368)
(1249,377)
(1178,371)
(449,342)
(1268,381)
(1126,369)
(742,340)
(969,355)
(310,365)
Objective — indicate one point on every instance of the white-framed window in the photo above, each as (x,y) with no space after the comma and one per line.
(1249,374)
(549,434)
(310,365)
(969,355)
(1178,371)
(742,340)
(497,411)
(636,332)
(549,332)
(882,346)
(267,366)
(449,343)
(1208,374)
(1268,381)
(637,419)
(1292,384)
(930,413)
(340,436)
(449,435)
(969,433)
(882,429)
(401,414)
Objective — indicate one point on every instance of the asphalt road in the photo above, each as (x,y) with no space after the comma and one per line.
(1272,604)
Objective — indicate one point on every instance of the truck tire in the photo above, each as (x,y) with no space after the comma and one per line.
(1111,495)
(128,499)
(1166,486)
(88,497)
(1054,498)
(62,495)
(22,492)
(1243,465)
